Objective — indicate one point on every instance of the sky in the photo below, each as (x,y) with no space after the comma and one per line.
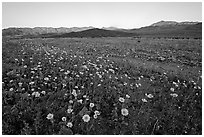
(99,14)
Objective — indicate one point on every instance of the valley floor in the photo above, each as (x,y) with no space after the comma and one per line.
(102,86)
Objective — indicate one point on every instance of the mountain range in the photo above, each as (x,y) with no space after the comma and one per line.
(158,29)
(172,23)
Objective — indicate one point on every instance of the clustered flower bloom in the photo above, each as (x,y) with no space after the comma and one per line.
(96,112)
(50,116)
(36,94)
(124,112)
(86,118)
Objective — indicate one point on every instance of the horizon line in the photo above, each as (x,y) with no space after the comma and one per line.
(94,26)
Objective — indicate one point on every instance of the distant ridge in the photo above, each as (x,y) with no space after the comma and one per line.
(42,30)
(111,28)
(96,32)
(171,29)
(167,23)
(158,29)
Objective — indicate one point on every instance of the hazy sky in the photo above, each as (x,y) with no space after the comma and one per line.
(125,15)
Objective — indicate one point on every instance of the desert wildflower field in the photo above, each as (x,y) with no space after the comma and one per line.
(101,86)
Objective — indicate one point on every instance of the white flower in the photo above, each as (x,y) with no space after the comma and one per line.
(91,105)
(112,70)
(172,89)
(76,87)
(86,118)
(174,83)
(32,72)
(71,101)
(100,76)
(149,95)
(121,99)
(69,110)
(36,94)
(11,89)
(61,70)
(33,94)
(124,112)
(46,78)
(96,112)
(43,92)
(144,100)
(84,96)
(74,92)
(81,73)
(69,124)
(137,85)
(67,72)
(125,83)
(80,101)
(50,116)
(31,83)
(20,84)
(127,96)
(84,66)
(174,95)
(95,116)
(64,119)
